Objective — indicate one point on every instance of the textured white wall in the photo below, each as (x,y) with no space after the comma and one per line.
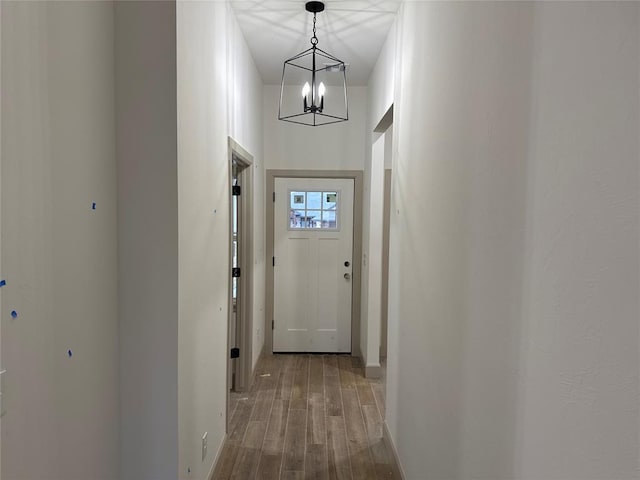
(204,231)
(514,241)
(147,238)
(58,254)
(579,355)
(219,94)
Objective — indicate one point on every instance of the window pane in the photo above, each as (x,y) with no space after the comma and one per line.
(297,200)
(314,200)
(314,219)
(296,218)
(234,203)
(328,219)
(329,200)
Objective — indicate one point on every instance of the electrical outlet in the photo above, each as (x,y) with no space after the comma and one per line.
(204,446)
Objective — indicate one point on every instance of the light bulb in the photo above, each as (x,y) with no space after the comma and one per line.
(305,89)
(321,90)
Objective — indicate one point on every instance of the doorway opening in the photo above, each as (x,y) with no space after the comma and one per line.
(240,324)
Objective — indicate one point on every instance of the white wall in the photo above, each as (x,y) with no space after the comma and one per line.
(58,254)
(219,94)
(245,126)
(379,100)
(513,310)
(381,83)
(580,352)
(147,238)
(340,146)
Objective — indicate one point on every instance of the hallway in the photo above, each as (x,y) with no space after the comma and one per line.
(307,417)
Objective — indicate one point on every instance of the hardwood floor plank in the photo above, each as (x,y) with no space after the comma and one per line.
(382,463)
(333,400)
(358,377)
(346,374)
(356,432)
(382,460)
(228,456)
(233,403)
(361,465)
(339,466)
(292,475)
(316,374)
(238,424)
(269,467)
(274,438)
(246,464)
(262,408)
(316,431)
(330,364)
(255,434)
(294,442)
(285,384)
(300,384)
(379,395)
(268,383)
(289,361)
(316,466)
(373,422)
(365,395)
(332,380)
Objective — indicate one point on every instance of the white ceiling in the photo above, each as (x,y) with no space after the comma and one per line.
(352,30)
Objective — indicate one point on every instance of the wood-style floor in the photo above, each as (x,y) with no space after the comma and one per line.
(307,417)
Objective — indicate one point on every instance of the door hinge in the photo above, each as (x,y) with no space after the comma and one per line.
(235,190)
(235,352)
(273,261)
(235,272)
(274,196)
(273,324)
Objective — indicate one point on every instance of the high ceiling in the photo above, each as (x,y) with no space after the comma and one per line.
(352,30)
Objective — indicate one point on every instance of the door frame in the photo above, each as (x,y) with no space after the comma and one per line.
(245,323)
(357,177)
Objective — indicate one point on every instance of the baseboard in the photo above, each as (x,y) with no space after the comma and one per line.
(215,460)
(397,466)
(373,371)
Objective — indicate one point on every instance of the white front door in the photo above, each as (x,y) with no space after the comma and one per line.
(313,248)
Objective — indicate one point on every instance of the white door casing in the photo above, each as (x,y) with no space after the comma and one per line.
(313,264)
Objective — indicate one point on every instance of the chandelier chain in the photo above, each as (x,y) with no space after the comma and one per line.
(314,39)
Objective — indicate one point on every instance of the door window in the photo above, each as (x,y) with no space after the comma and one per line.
(313,210)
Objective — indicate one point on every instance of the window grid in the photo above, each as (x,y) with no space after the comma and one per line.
(313,210)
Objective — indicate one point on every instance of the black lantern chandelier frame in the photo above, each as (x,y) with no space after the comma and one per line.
(313,104)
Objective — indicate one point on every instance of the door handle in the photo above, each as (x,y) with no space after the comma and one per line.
(347,276)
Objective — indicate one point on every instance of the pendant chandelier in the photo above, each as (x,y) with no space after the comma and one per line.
(314,84)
